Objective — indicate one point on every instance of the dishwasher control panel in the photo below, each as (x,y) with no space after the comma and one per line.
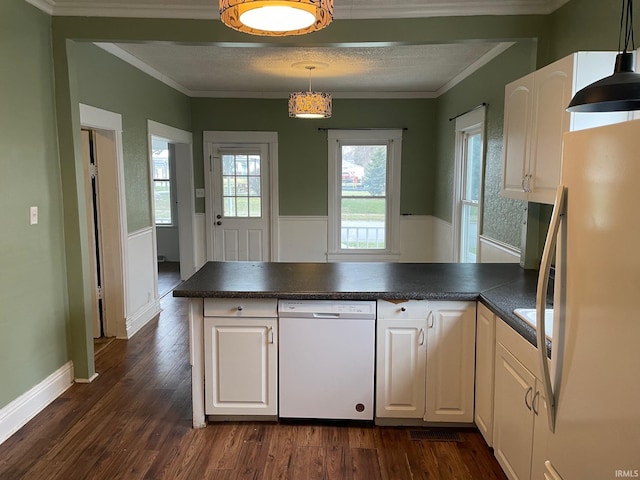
(337,308)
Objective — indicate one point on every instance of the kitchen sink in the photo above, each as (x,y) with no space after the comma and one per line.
(529,316)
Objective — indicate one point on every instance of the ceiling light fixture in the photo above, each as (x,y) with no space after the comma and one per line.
(310,104)
(276,17)
(620,91)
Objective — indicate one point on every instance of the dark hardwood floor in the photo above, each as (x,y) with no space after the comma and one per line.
(168,277)
(134,422)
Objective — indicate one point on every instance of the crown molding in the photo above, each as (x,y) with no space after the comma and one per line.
(46,6)
(86,8)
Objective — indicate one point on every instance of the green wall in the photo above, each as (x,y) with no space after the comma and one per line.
(302,147)
(33,296)
(502,217)
(107,82)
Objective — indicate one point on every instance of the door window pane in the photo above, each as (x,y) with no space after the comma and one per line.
(241,188)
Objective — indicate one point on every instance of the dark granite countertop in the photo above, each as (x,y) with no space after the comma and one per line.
(501,287)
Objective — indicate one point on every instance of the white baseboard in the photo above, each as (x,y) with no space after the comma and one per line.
(142,317)
(494,251)
(17,413)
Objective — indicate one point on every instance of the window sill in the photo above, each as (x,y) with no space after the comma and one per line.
(362,256)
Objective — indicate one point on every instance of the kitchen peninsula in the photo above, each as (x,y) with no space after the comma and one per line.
(500,287)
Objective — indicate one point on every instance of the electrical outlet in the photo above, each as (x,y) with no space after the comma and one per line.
(199,192)
(33,215)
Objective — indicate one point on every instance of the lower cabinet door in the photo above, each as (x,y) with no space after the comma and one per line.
(241,366)
(451,333)
(513,421)
(400,368)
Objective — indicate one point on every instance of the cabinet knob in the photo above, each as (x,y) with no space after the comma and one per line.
(239,308)
(403,309)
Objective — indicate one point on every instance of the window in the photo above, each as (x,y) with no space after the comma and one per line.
(162,192)
(469,161)
(364,183)
(241,192)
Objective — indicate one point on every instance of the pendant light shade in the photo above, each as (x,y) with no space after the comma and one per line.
(617,92)
(276,17)
(620,91)
(310,104)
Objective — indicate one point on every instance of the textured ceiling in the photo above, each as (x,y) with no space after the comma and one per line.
(404,71)
(409,70)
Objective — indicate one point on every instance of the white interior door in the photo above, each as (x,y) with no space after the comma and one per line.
(241,202)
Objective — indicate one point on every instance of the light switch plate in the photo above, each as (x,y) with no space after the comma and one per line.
(199,192)
(33,215)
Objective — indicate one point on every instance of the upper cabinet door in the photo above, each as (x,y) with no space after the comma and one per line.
(535,120)
(552,94)
(517,118)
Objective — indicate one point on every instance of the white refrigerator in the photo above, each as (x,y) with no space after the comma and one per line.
(594,373)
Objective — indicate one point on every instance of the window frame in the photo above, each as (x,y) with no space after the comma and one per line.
(172,185)
(468,124)
(392,138)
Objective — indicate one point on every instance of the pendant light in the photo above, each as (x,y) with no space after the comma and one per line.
(276,17)
(310,104)
(620,91)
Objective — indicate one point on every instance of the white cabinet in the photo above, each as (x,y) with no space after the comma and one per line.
(240,350)
(451,333)
(485,362)
(535,119)
(401,356)
(520,422)
(425,360)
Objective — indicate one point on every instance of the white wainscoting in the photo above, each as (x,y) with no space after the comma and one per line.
(200,240)
(493,251)
(16,414)
(442,240)
(416,238)
(141,284)
(302,239)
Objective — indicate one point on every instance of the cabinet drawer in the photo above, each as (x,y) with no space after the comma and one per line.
(240,307)
(403,309)
(521,349)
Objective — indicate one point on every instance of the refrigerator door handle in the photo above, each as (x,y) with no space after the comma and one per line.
(541,301)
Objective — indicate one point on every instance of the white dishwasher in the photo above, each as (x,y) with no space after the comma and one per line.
(326,359)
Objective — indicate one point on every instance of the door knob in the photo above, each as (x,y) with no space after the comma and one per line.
(218,222)
(218,216)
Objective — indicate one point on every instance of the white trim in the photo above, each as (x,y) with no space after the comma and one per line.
(17,413)
(183,141)
(169,133)
(477,65)
(211,137)
(394,161)
(140,65)
(44,5)
(431,9)
(472,121)
(86,380)
(100,119)
(506,253)
(141,318)
(94,117)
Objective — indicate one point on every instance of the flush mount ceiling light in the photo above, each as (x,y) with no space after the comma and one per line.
(276,17)
(310,104)
(620,91)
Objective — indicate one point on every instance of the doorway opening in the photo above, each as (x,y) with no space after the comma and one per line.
(173,205)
